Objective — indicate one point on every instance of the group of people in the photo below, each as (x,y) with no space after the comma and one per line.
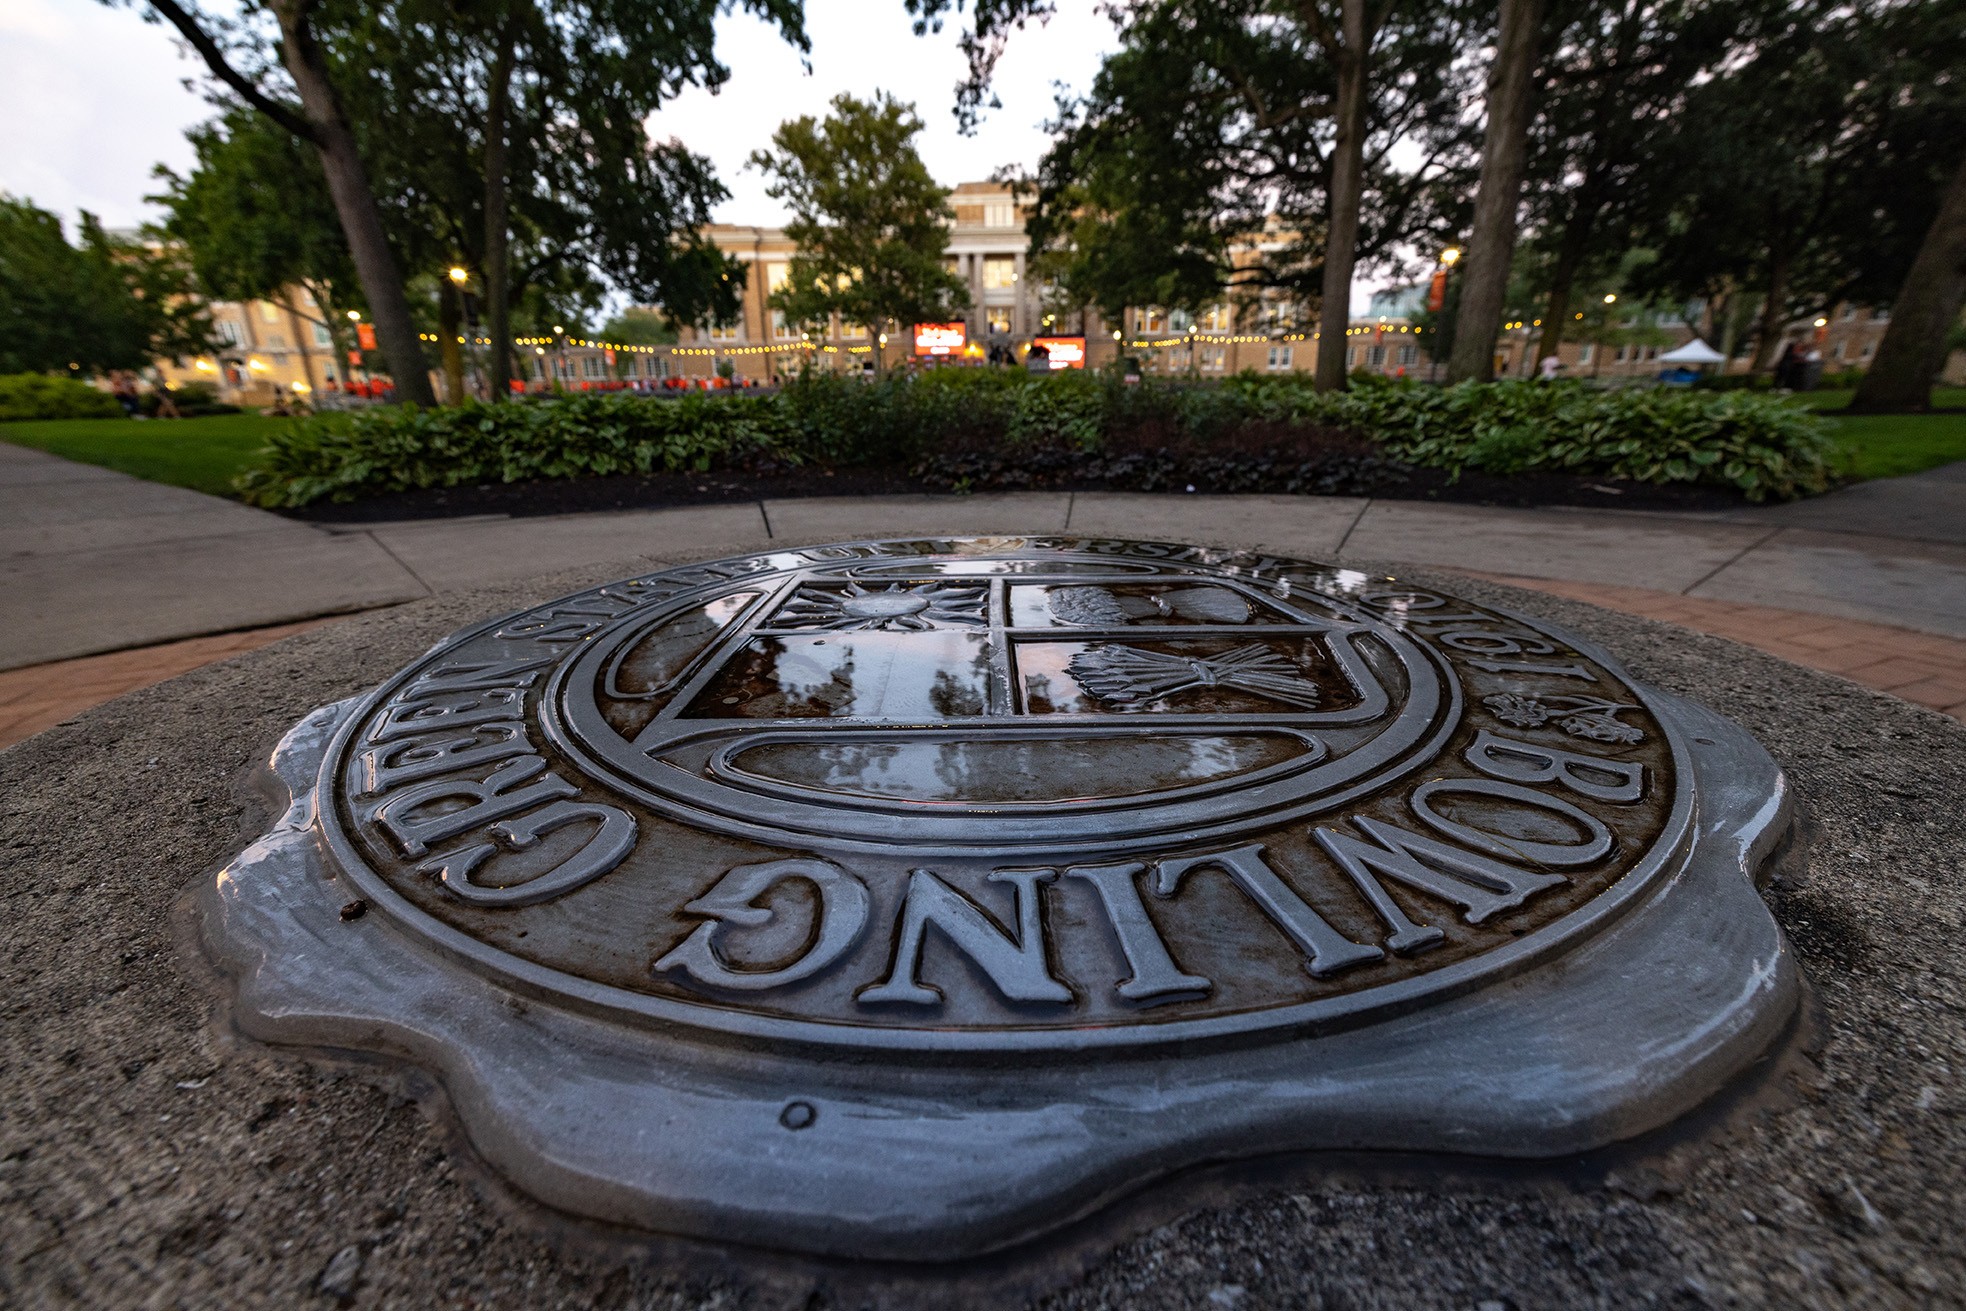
(1799,366)
(123,386)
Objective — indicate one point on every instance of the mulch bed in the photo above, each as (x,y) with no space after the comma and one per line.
(655,491)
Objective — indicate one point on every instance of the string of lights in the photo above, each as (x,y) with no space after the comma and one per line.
(1145,343)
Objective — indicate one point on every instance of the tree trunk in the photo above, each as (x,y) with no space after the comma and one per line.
(300,344)
(450,319)
(498,302)
(1914,346)
(1347,185)
(1491,246)
(1768,327)
(354,201)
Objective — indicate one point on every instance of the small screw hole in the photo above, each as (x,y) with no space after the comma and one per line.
(797,1115)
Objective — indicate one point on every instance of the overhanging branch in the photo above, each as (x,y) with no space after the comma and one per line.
(187,25)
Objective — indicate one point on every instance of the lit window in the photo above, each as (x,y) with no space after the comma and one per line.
(1280,358)
(997,319)
(726,332)
(269,312)
(1215,359)
(776,276)
(1217,318)
(1152,319)
(779,327)
(999,272)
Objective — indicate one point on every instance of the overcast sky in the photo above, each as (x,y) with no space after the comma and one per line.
(94,98)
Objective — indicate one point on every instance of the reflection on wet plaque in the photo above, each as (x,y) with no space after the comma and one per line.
(1024,866)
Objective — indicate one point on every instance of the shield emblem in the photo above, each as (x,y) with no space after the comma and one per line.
(966,703)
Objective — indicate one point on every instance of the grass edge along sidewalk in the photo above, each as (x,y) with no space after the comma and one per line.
(206,454)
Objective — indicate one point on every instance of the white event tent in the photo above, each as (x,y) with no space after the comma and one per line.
(1693,352)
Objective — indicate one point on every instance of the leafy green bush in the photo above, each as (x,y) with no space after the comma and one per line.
(1762,445)
(41,396)
(397,450)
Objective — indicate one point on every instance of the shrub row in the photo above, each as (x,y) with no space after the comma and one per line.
(41,396)
(965,427)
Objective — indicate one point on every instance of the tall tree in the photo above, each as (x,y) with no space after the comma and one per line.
(870,222)
(1618,77)
(536,151)
(1205,159)
(103,303)
(321,119)
(1484,272)
(254,218)
(1908,203)
(1924,315)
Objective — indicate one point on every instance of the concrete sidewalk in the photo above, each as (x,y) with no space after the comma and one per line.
(94,561)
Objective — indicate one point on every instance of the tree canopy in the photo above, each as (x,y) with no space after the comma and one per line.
(103,303)
(870,222)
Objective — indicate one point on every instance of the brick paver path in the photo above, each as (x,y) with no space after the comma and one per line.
(1916,666)
(1920,667)
(41,696)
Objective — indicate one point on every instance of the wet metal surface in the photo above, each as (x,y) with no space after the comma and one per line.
(1029,866)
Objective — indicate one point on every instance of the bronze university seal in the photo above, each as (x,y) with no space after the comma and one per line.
(896,898)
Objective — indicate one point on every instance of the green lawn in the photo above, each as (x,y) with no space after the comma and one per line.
(1890,445)
(202,454)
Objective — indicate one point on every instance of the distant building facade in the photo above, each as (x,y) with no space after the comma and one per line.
(265,347)
(284,344)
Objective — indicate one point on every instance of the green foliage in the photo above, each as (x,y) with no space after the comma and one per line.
(869,220)
(391,450)
(1199,162)
(100,305)
(1763,446)
(39,396)
(254,214)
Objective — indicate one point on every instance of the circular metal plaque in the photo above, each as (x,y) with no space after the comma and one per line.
(879,823)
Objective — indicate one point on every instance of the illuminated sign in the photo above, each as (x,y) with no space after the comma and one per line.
(1066,352)
(940,338)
